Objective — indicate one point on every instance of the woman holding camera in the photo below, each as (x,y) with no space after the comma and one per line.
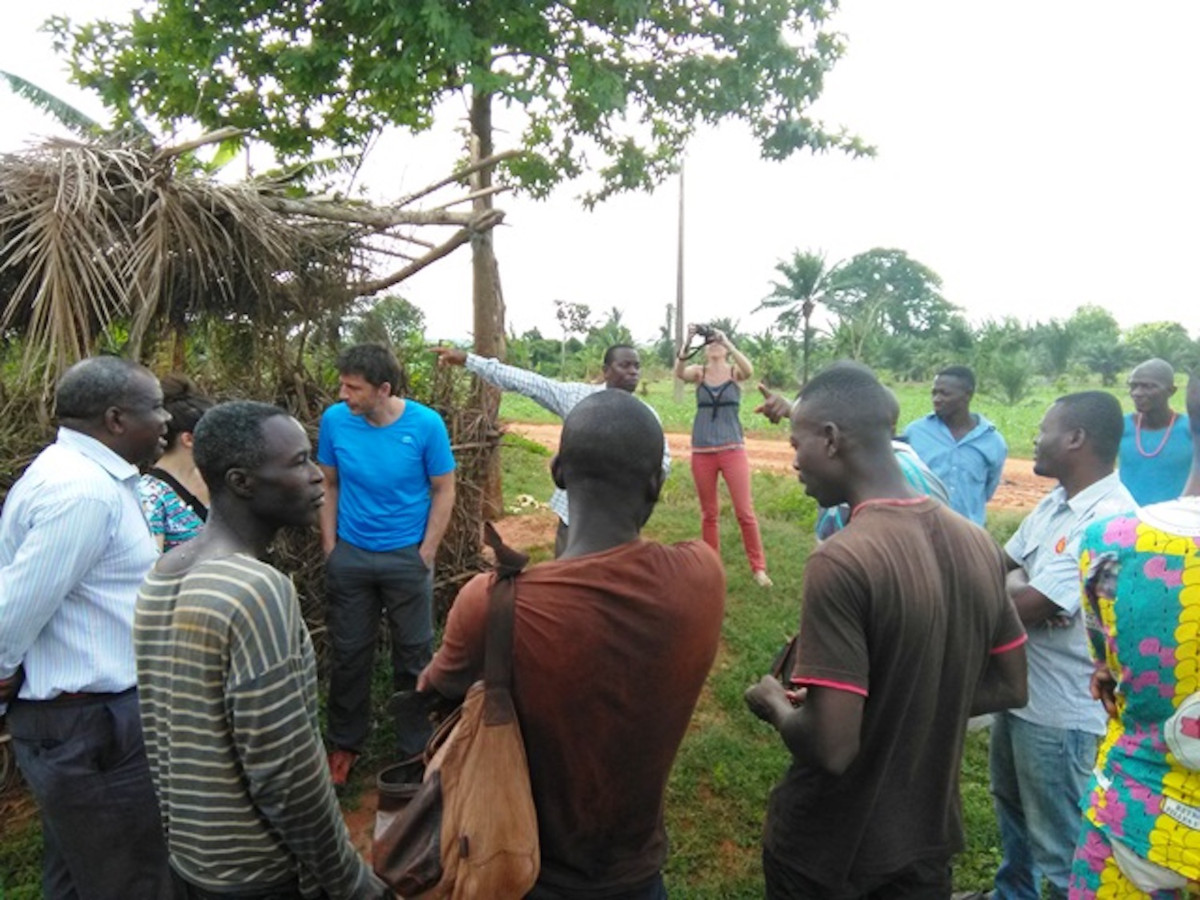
(718,446)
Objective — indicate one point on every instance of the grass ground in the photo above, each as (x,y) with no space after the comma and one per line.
(729,760)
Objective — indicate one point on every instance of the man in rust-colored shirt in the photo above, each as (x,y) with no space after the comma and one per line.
(611,646)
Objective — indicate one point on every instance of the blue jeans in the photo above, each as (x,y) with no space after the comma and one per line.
(1039,775)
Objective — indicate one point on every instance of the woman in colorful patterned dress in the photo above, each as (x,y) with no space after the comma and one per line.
(718,447)
(174,496)
(1141,827)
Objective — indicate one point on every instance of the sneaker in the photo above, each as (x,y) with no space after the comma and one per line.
(341,762)
(762,579)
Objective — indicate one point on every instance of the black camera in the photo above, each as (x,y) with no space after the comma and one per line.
(706,331)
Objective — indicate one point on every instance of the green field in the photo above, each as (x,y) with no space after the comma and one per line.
(1018,423)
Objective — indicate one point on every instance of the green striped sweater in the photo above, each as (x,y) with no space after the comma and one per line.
(228,690)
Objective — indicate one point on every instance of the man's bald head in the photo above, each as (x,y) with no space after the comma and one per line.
(610,441)
(1151,385)
(1159,370)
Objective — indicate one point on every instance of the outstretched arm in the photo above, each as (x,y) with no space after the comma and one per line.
(775,407)
(556,396)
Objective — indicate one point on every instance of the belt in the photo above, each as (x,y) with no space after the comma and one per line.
(80,698)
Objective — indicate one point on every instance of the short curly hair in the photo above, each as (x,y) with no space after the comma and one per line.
(230,436)
(93,385)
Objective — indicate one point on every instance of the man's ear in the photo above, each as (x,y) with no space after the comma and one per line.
(114,420)
(834,437)
(1078,438)
(240,482)
(390,389)
(556,472)
(654,485)
(187,439)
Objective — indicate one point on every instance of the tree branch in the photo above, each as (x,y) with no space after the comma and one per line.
(212,137)
(461,174)
(474,195)
(384,217)
(460,237)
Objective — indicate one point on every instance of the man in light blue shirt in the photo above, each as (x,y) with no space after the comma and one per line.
(74,548)
(962,448)
(622,370)
(1042,755)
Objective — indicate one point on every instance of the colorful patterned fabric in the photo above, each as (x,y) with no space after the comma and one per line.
(1096,873)
(1145,622)
(167,513)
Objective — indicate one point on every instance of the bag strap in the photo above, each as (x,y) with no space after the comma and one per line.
(497,660)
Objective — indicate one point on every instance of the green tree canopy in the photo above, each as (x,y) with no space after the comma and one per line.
(614,87)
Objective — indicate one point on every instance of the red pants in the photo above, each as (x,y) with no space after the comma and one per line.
(735,466)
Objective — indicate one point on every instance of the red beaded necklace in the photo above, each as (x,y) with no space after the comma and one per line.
(1137,436)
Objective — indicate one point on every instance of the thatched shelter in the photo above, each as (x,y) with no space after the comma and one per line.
(130,248)
(102,234)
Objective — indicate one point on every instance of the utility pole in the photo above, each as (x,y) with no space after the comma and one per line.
(680,328)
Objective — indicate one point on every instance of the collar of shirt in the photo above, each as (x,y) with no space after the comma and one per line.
(116,466)
(1083,502)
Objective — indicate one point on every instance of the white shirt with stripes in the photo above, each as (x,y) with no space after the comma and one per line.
(74,548)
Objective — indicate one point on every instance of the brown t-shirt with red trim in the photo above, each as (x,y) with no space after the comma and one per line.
(610,652)
(903,606)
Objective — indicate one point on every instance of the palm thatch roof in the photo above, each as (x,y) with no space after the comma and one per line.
(97,234)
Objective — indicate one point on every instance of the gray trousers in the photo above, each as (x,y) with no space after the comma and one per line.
(361,587)
(85,762)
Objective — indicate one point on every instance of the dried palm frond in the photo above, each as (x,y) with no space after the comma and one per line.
(96,234)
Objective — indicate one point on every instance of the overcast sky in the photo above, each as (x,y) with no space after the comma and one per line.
(1037,154)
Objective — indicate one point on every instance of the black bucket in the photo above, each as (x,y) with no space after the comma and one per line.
(397,784)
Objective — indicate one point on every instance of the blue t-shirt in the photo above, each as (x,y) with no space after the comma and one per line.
(1162,475)
(383,473)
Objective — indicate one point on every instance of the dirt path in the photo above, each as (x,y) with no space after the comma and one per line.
(1019,488)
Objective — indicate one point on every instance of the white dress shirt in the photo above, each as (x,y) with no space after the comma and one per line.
(74,548)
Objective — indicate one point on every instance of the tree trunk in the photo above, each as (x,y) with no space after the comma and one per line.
(488,301)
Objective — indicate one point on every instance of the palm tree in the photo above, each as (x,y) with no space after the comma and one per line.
(69,117)
(806,282)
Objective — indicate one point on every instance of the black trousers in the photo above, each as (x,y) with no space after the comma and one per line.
(85,762)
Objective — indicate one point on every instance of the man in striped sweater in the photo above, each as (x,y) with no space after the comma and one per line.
(228,684)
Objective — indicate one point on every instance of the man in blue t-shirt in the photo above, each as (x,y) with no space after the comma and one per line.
(389,490)
(1156,448)
(962,448)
